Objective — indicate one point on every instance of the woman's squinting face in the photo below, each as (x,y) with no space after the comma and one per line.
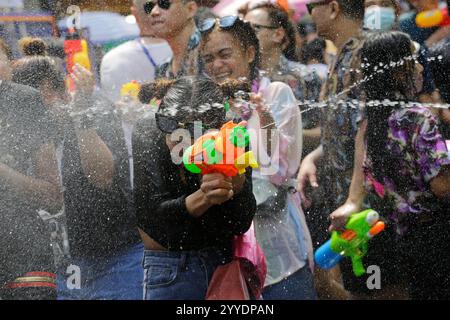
(224,57)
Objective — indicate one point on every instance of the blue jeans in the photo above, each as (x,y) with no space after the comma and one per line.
(298,286)
(117,277)
(180,275)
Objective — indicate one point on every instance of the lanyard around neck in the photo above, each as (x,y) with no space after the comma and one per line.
(147,53)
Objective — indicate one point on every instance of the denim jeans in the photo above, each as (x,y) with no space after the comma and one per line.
(298,286)
(180,275)
(117,277)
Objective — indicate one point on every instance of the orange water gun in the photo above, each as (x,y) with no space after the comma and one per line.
(221,152)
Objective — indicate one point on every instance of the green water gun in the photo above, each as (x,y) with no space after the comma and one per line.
(352,243)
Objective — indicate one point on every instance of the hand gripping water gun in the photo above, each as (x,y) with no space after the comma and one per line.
(221,152)
(353,242)
(76,50)
(433,18)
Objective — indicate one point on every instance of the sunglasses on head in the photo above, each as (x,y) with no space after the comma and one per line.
(168,125)
(163,4)
(224,23)
(310,6)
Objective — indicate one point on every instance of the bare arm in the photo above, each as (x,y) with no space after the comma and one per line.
(43,190)
(437,36)
(357,192)
(308,174)
(311,137)
(440,185)
(96,158)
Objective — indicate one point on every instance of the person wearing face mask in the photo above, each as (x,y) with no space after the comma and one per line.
(381,14)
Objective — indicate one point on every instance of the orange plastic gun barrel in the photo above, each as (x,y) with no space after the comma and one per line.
(377,228)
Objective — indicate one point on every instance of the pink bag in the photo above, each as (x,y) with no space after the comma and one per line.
(228,283)
(246,273)
(253,262)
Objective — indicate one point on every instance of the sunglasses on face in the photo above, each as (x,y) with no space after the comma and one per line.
(224,23)
(168,125)
(310,6)
(163,4)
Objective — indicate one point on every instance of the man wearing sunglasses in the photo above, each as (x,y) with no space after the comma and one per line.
(339,21)
(134,60)
(173,21)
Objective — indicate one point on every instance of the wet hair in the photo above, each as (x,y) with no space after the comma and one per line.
(37,71)
(243,32)
(314,50)
(381,49)
(384,48)
(280,18)
(188,96)
(32,47)
(440,68)
(353,9)
(4,47)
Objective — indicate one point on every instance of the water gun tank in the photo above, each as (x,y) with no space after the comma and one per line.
(325,257)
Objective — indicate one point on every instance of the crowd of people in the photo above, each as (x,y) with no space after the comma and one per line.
(346,111)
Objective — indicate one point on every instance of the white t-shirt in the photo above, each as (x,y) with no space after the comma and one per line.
(129,62)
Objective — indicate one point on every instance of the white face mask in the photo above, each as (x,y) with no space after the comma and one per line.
(379,18)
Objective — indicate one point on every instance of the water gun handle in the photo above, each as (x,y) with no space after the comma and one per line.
(357,265)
